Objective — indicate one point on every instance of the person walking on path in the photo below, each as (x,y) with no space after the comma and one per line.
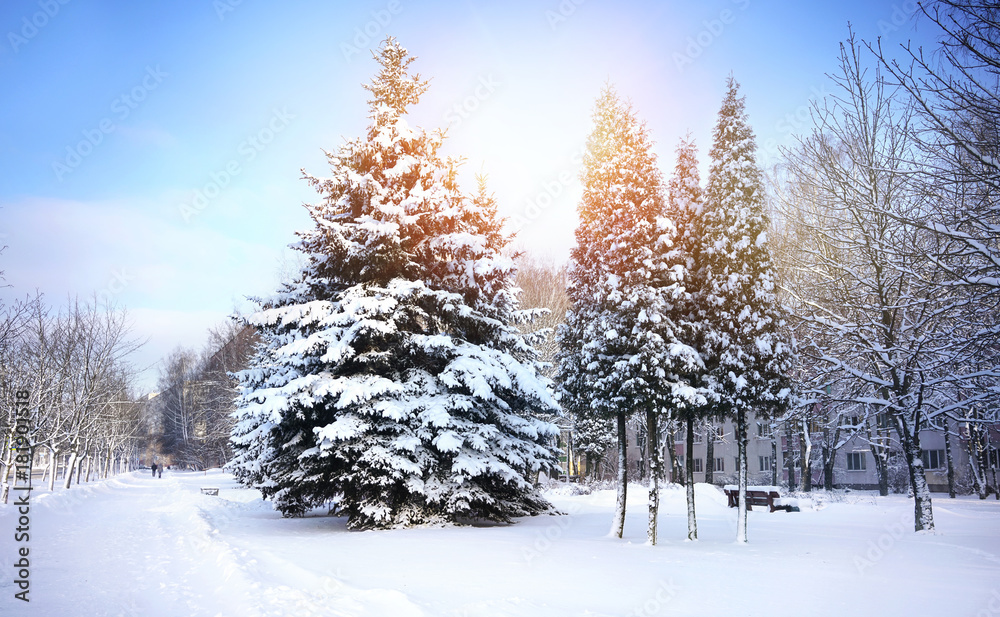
(161,472)
(154,470)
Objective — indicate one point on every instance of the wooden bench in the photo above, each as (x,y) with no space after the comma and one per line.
(758,496)
(209,491)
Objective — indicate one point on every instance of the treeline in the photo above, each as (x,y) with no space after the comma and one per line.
(72,359)
(877,232)
(190,417)
(890,256)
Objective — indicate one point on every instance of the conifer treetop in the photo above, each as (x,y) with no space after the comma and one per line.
(393,88)
(737,270)
(685,199)
(622,194)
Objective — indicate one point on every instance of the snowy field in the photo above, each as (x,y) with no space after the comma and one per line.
(138,546)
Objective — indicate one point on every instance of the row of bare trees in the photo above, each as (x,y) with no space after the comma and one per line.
(72,359)
(891,259)
(191,415)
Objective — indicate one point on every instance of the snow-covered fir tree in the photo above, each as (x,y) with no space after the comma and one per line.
(751,353)
(685,210)
(391,381)
(620,350)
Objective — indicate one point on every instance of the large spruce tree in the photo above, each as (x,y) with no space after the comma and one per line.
(391,381)
(620,346)
(746,339)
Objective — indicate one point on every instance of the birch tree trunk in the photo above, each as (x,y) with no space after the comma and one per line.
(618,525)
(655,457)
(923,515)
(689,478)
(806,456)
(741,515)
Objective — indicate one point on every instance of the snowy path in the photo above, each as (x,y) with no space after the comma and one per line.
(138,546)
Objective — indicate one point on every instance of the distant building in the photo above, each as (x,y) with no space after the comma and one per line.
(854,462)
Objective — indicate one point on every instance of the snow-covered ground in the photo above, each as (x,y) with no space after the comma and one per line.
(138,546)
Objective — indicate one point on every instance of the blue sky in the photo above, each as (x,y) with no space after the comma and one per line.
(151,151)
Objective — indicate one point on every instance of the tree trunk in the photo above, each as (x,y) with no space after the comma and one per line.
(79,467)
(689,475)
(90,459)
(671,452)
(790,463)
(976,447)
(879,449)
(829,457)
(618,525)
(806,457)
(774,458)
(8,468)
(655,457)
(951,463)
(52,469)
(923,515)
(741,438)
(70,468)
(710,454)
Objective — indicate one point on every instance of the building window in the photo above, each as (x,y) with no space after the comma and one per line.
(720,433)
(697,465)
(720,463)
(933,459)
(765,463)
(856,461)
(765,430)
(698,437)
